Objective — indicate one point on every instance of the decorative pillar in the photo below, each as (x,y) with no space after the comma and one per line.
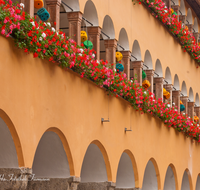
(73,183)
(182,18)
(53,7)
(190,27)
(126,62)
(176,9)
(184,100)
(94,36)
(158,87)
(29,7)
(176,98)
(136,67)
(169,88)
(191,110)
(111,46)
(75,19)
(196,36)
(167,3)
(197,111)
(149,77)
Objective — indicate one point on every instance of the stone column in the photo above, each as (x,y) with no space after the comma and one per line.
(176,98)
(73,183)
(190,27)
(196,36)
(20,178)
(29,7)
(158,87)
(169,88)
(176,9)
(75,19)
(53,7)
(167,3)
(126,62)
(182,18)
(136,67)
(191,110)
(150,74)
(94,36)
(111,46)
(197,111)
(184,99)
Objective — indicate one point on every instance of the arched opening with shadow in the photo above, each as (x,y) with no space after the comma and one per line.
(186,181)
(184,89)
(158,68)
(127,174)
(197,99)
(53,157)
(191,95)
(168,76)
(148,60)
(176,82)
(151,180)
(123,43)
(196,27)
(182,7)
(136,51)
(198,183)
(90,13)
(171,182)
(189,16)
(72,4)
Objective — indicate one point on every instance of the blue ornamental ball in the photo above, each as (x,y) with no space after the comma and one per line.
(182,107)
(119,67)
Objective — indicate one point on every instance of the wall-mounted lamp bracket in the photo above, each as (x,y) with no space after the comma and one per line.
(102,120)
(127,130)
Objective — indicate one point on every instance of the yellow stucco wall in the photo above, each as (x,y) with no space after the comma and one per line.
(38,96)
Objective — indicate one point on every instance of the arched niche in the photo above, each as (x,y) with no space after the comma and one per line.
(170,179)
(186,181)
(184,89)
(108,28)
(191,95)
(127,174)
(94,167)
(50,158)
(196,27)
(72,4)
(123,40)
(198,183)
(151,180)
(90,13)
(158,68)
(148,60)
(176,82)
(189,16)
(182,7)
(136,52)
(8,153)
(168,76)
(197,99)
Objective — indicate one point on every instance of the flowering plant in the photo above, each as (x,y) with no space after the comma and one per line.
(44,42)
(186,38)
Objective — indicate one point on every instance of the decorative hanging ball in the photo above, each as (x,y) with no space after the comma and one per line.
(186,27)
(43,14)
(146,84)
(143,75)
(38,4)
(118,56)
(181,102)
(196,118)
(172,11)
(119,67)
(182,107)
(84,36)
(88,44)
(164,91)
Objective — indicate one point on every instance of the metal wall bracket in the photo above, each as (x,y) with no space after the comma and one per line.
(102,120)
(127,130)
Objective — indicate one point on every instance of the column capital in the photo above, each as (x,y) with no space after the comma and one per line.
(184,98)
(191,104)
(159,80)
(175,7)
(176,93)
(110,43)
(53,2)
(149,72)
(168,87)
(182,18)
(126,54)
(75,16)
(137,64)
(94,30)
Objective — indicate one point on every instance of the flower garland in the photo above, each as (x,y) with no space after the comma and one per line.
(186,38)
(44,42)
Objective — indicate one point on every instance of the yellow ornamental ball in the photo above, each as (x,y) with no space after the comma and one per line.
(146,84)
(181,102)
(38,4)
(186,27)
(172,11)
(119,56)
(83,36)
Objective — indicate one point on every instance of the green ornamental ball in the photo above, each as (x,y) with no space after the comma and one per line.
(143,75)
(88,44)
